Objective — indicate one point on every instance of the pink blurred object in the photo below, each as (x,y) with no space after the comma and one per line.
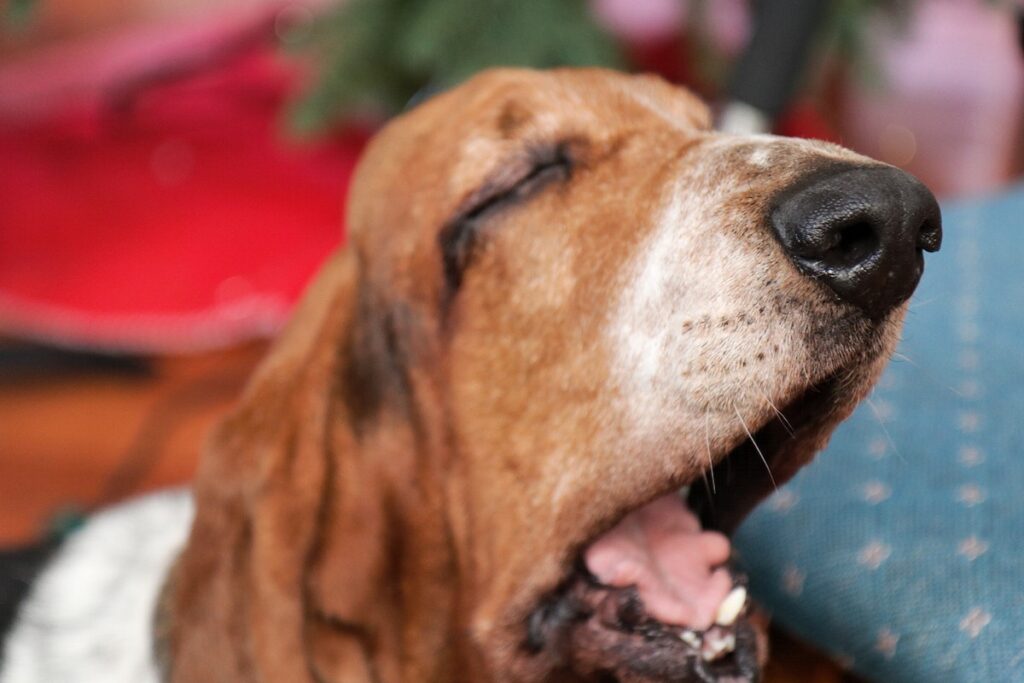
(91,73)
(651,21)
(949,106)
(640,20)
(728,23)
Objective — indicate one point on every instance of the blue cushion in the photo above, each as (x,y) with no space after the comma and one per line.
(901,549)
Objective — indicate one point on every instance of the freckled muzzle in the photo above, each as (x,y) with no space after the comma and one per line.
(861,231)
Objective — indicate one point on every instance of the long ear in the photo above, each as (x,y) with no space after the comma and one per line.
(233,609)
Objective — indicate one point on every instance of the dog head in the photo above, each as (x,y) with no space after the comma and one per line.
(564,297)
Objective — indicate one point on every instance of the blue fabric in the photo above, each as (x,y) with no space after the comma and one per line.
(901,549)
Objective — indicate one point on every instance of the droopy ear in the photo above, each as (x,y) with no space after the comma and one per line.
(233,609)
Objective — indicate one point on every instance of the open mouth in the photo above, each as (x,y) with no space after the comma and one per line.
(654,598)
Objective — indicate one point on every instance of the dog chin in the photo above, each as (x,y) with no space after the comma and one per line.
(654,597)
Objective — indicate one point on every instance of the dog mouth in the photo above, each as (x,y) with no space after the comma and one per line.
(655,597)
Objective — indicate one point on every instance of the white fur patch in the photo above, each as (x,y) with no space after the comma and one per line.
(699,353)
(760,157)
(687,272)
(89,616)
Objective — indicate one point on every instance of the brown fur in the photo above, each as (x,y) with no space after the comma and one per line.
(418,462)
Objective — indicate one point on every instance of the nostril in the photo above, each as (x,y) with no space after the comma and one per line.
(851,244)
(929,236)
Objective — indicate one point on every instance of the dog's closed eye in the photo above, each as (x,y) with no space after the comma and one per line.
(512,183)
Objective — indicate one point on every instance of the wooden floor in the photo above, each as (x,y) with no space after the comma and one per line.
(76,434)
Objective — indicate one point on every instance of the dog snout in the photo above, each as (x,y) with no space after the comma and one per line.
(861,231)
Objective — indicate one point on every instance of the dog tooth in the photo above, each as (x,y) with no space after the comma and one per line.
(712,650)
(731,606)
(690,638)
(717,644)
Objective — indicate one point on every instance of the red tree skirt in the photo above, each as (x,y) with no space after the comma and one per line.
(173,217)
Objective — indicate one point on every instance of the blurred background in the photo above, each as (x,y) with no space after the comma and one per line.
(172,172)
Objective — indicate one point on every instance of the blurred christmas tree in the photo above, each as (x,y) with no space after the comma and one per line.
(374,55)
(15,14)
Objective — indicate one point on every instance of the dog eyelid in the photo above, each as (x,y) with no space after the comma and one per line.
(457,240)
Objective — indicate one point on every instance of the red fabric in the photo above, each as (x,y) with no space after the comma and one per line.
(181,218)
(803,120)
(671,58)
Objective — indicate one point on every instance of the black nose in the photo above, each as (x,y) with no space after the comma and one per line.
(861,231)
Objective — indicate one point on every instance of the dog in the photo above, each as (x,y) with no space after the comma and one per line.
(576,335)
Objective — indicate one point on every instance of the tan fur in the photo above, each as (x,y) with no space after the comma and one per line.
(411,470)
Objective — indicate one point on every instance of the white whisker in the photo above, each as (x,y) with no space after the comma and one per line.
(927,375)
(782,418)
(756,447)
(885,430)
(711,463)
(916,304)
(707,487)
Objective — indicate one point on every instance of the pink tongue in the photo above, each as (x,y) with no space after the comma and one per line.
(675,566)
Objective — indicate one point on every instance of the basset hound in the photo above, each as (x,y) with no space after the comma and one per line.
(576,335)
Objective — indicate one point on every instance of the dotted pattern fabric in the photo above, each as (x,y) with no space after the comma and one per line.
(900,551)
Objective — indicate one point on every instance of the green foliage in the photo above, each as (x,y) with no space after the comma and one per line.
(374,55)
(847,26)
(15,15)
